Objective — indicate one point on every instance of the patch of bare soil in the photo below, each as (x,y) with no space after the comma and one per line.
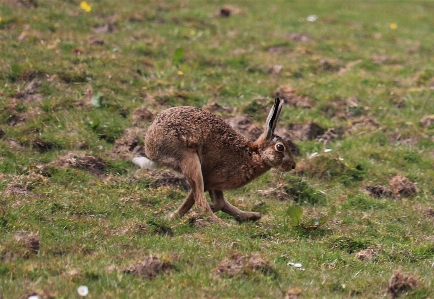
(239,264)
(94,165)
(308,131)
(24,246)
(96,42)
(106,28)
(129,144)
(367,254)
(402,140)
(343,109)
(293,293)
(24,184)
(214,107)
(197,220)
(401,283)
(150,268)
(379,191)
(349,66)
(164,178)
(278,49)
(402,186)
(246,126)
(362,124)
(30,241)
(30,93)
(427,121)
(328,136)
(278,193)
(322,166)
(382,59)
(142,116)
(298,37)
(328,65)
(275,69)
(290,96)
(23,3)
(228,10)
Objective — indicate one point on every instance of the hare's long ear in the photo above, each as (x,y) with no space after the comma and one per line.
(273,117)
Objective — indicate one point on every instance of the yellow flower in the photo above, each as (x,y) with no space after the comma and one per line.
(0,19)
(180,73)
(393,26)
(86,7)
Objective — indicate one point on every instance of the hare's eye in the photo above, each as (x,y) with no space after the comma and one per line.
(280,147)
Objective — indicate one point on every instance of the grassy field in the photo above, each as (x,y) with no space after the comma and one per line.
(80,83)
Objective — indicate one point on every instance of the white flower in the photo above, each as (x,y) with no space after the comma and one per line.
(83,290)
(327,150)
(312,155)
(312,18)
(33,297)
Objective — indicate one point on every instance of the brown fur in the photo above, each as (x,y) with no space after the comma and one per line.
(212,156)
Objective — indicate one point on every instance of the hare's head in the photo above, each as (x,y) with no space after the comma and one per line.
(274,150)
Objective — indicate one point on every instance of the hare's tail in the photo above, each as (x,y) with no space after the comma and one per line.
(144,162)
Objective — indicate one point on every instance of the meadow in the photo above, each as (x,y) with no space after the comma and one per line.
(81,81)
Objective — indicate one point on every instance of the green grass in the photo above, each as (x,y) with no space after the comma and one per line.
(155,54)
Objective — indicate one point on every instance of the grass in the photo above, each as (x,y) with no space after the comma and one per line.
(94,70)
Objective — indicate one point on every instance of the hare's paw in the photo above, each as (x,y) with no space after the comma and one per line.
(247,216)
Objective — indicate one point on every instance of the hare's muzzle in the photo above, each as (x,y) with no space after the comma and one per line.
(288,163)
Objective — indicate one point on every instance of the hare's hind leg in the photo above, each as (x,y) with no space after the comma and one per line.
(220,203)
(185,207)
(191,168)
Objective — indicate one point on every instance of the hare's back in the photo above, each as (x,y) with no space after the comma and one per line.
(190,127)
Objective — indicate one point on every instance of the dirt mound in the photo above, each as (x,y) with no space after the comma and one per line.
(328,136)
(379,191)
(321,166)
(94,165)
(367,254)
(308,131)
(278,193)
(150,268)
(402,186)
(228,10)
(130,143)
(401,283)
(246,126)
(362,124)
(290,96)
(24,184)
(30,241)
(30,93)
(142,116)
(239,264)
(343,109)
(24,245)
(214,107)
(298,37)
(293,293)
(167,178)
(427,121)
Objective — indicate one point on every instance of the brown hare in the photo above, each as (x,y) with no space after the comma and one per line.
(213,156)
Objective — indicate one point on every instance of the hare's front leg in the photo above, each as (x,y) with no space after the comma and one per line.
(191,168)
(220,203)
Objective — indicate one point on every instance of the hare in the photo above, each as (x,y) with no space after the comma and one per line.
(213,156)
